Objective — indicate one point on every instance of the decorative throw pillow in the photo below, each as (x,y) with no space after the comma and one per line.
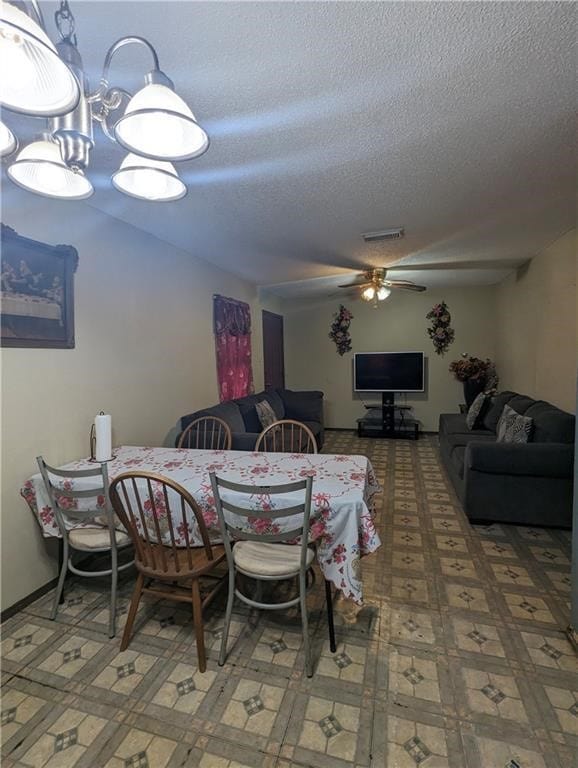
(266,414)
(513,428)
(474,415)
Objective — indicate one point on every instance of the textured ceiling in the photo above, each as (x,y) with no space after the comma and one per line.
(455,120)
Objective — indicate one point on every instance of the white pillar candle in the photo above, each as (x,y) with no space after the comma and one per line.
(103,431)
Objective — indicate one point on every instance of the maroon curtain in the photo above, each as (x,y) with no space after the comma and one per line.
(232,322)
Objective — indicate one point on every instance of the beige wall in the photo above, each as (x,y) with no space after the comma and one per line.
(144,353)
(536,312)
(399,324)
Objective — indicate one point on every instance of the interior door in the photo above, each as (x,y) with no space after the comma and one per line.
(273,353)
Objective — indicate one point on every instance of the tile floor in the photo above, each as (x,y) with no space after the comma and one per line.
(458,658)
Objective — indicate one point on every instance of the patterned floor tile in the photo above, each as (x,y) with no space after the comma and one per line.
(458,658)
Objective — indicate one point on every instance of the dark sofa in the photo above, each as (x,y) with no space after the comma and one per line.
(526,483)
(241,415)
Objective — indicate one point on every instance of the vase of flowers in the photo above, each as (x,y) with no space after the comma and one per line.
(339,332)
(440,331)
(477,376)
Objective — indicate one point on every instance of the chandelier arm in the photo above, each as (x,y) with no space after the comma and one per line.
(121,44)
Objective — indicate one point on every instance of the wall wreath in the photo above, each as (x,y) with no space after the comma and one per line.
(440,331)
(339,332)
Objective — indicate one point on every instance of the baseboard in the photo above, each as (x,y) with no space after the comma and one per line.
(26,601)
(354,429)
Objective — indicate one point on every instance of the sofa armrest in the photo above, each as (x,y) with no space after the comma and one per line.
(528,459)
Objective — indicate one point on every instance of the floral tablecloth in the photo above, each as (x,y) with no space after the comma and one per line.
(343,491)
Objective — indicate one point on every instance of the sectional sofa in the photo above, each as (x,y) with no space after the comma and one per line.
(241,415)
(529,483)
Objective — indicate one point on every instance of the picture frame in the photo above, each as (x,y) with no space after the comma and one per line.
(36,292)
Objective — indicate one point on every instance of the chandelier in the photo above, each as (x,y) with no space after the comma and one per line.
(155,126)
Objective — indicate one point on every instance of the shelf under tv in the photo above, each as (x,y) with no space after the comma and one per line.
(389,420)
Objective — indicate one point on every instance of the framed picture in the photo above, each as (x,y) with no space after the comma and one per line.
(37,292)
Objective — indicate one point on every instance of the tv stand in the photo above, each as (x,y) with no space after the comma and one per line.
(388,421)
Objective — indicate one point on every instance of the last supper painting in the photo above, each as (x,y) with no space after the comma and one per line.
(37,299)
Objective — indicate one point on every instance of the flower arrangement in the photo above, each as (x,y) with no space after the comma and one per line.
(470,368)
(340,330)
(440,332)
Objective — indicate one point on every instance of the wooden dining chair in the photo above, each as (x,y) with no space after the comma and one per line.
(264,554)
(164,523)
(208,433)
(67,500)
(286,436)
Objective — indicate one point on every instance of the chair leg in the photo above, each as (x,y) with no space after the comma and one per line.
(199,627)
(135,600)
(113,591)
(330,624)
(61,578)
(61,560)
(305,623)
(228,614)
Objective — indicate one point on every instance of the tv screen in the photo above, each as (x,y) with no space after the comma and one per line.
(388,372)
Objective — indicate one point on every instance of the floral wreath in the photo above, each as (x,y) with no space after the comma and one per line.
(440,332)
(340,330)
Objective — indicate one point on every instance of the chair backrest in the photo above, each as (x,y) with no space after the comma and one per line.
(68,501)
(255,521)
(160,516)
(286,436)
(207,432)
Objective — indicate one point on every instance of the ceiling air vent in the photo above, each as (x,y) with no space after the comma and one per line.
(395,233)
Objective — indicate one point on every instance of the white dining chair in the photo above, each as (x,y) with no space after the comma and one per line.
(268,556)
(65,500)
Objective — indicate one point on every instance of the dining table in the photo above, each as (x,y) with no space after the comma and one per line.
(342,514)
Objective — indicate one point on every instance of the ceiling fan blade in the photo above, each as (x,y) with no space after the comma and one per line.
(357,285)
(483,264)
(405,284)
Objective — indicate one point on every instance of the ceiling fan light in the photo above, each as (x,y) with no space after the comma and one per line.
(35,80)
(368,294)
(158,124)
(7,140)
(39,168)
(148,179)
(383,293)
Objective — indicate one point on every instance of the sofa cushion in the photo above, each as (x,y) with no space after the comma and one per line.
(521,403)
(274,400)
(551,425)
(302,406)
(266,414)
(513,427)
(490,420)
(475,413)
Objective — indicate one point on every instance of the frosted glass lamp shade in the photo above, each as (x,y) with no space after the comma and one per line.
(158,124)
(383,293)
(368,293)
(148,179)
(7,140)
(34,80)
(39,168)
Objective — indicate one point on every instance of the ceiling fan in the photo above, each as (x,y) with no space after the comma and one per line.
(374,285)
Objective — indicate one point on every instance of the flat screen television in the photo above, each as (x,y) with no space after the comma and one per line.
(388,372)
